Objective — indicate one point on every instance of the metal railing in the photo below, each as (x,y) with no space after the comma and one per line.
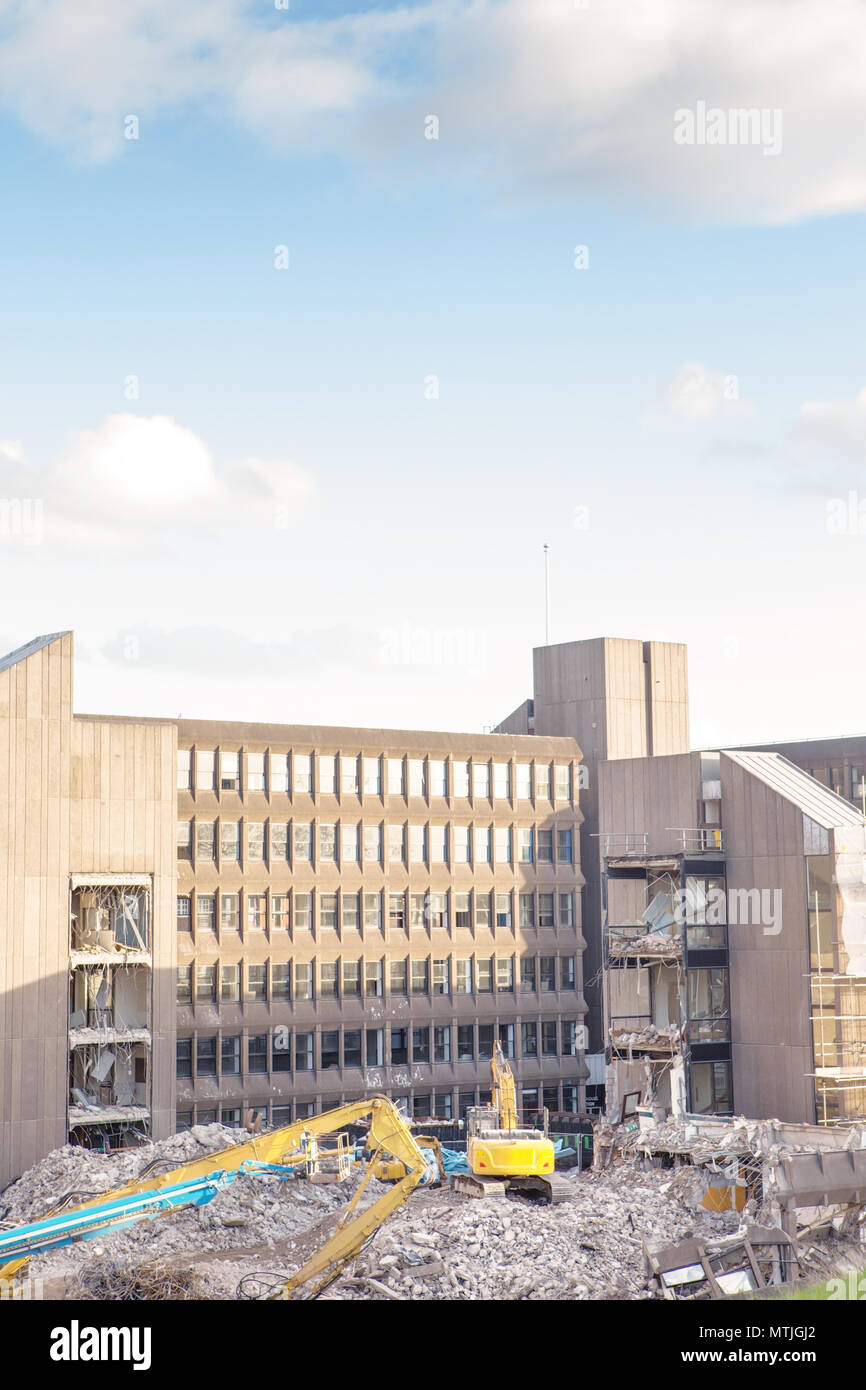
(698,839)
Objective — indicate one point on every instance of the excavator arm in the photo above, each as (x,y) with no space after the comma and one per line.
(504,1097)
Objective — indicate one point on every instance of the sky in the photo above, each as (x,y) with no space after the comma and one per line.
(318,322)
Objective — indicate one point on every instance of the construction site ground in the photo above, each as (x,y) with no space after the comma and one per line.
(439,1246)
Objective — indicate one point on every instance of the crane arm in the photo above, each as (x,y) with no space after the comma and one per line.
(504,1094)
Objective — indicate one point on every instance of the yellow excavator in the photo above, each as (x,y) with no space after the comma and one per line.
(299,1148)
(503,1155)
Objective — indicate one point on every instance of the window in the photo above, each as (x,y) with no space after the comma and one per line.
(442,976)
(349,906)
(416,844)
(524,844)
(257,1052)
(480,780)
(417,779)
(280,911)
(460,778)
(465,1042)
(527,915)
(563,846)
(420,977)
(709,1005)
(501,787)
(506,1038)
(444,1106)
(329,981)
(442,1044)
(281,980)
(229,911)
(437,911)
(399,976)
(327,774)
(302,768)
(206,1117)
(349,842)
(184,839)
(482,844)
(545,846)
(396,843)
(230,983)
(230,778)
(437,769)
(542,780)
(351,979)
(503,844)
(485,1040)
(184,1058)
(482,909)
(205,1056)
(837,781)
(550,1097)
(563,782)
(230,1055)
(372,776)
(281,1115)
(395,776)
(418,911)
(530,1100)
(503,910)
(184,770)
(711,1088)
(278,769)
(205,909)
(529,1039)
(184,984)
(255,769)
(205,839)
(460,835)
(504,973)
(257,911)
(858,784)
(205,984)
(373,978)
(569,1099)
(255,840)
(545,909)
(484,974)
(183,1121)
(330,1049)
(566,910)
(569,1037)
(229,839)
(399,1045)
(548,1038)
(303,906)
(183,917)
(421,1045)
(373,911)
(327,844)
(279,841)
(397,911)
(464,1100)
(463,976)
(281,1057)
(205,770)
(303,1052)
(566,972)
(352,1056)
(373,844)
(527,974)
(375,1047)
(302,841)
(705,911)
(547,965)
(438,844)
(421,1107)
(303,979)
(523,778)
(462,914)
(257,983)
(349,784)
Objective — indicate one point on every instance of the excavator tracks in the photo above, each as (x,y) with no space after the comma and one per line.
(554,1189)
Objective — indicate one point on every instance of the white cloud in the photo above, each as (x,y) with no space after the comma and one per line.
(565,101)
(117,484)
(830,444)
(696,393)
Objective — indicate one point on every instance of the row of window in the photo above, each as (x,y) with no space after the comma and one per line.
(348,842)
(234,1054)
(325,774)
(342,911)
(422,1105)
(848,780)
(350,978)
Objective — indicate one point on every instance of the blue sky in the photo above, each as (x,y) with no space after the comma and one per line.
(380,561)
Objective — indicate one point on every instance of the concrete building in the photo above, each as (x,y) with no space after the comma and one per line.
(734,918)
(618,698)
(202,919)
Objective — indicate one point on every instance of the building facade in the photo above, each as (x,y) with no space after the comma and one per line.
(206,919)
